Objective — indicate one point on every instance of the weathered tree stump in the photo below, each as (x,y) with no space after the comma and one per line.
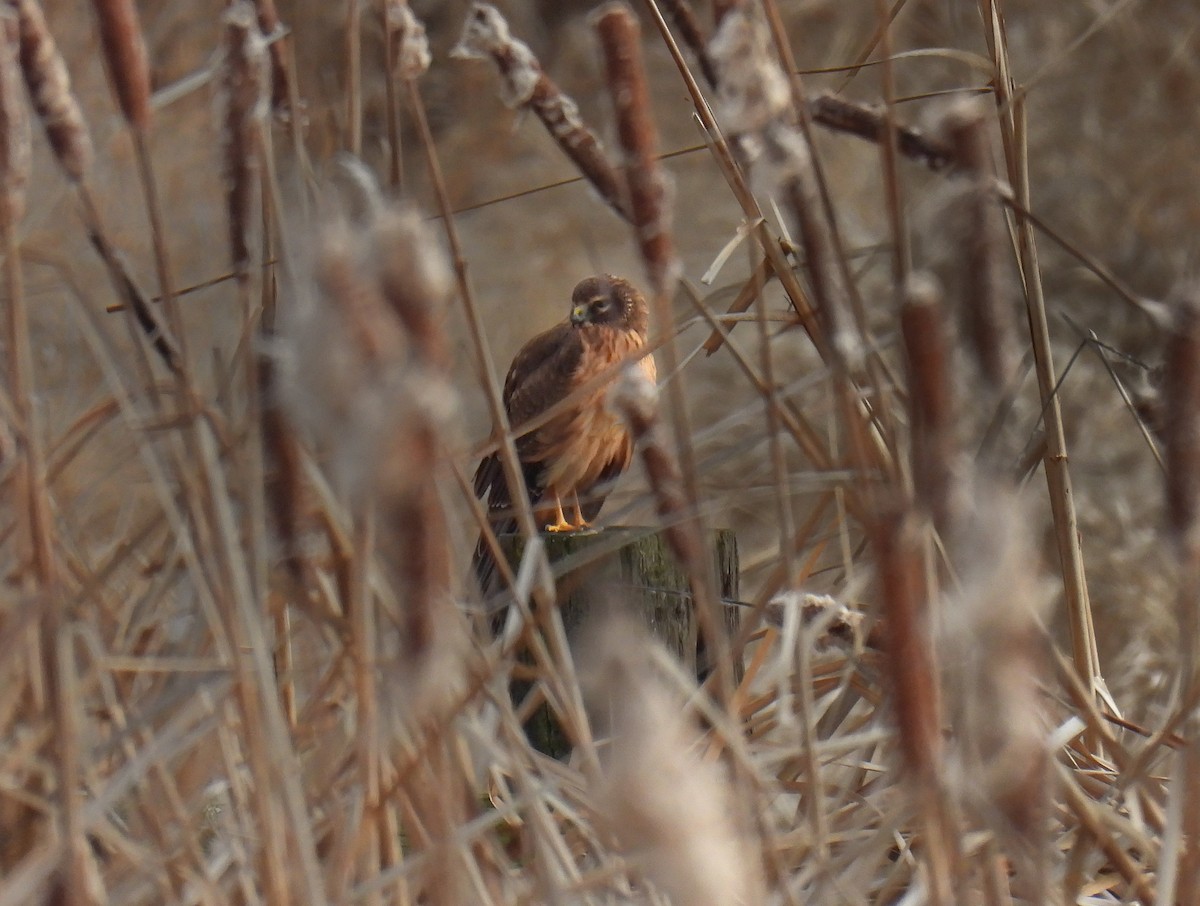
(630,568)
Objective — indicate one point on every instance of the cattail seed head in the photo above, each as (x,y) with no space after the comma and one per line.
(49,86)
(128,64)
(1181,422)
(407,34)
(649,195)
(15,145)
(244,90)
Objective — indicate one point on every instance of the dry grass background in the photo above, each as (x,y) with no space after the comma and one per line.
(246,668)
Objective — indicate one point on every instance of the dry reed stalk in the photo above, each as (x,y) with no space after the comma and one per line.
(1181,387)
(912,665)
(930,397)
(1056,462)
(49,86)
(670,809)
(244,94)
(986,309)
(486,36)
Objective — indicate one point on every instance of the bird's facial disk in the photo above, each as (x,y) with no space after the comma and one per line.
(599,309)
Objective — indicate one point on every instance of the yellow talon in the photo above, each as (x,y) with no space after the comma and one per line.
(561,524)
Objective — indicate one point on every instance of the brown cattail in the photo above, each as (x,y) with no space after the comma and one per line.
(49,86)
(931,402)
(620,38)
(688,26)
(125,52)
(846,116)
(486,36)
(244,77)
(1181,423)
(414,279)
(15,144)
(914,681)
(635,397)
(987,309)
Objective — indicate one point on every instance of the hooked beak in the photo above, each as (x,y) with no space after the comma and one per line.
(579,315)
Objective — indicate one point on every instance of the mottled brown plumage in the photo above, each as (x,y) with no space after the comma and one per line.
(570,462)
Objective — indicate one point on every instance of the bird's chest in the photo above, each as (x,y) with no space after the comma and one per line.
(591,435)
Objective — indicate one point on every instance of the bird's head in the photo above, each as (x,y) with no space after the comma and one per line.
(608,300)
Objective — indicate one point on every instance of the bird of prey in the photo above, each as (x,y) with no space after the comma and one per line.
(573,459)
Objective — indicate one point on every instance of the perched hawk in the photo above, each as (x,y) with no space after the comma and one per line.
(571,462)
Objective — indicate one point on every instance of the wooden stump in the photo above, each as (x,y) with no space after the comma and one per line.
(630,568)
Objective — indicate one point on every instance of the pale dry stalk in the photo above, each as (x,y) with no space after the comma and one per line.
(486,36)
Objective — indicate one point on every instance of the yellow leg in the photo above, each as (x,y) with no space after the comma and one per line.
(561,525)
(580,522)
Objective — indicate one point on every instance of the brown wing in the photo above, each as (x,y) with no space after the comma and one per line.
(539,377)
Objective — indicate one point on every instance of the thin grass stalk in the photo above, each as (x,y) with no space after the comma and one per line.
(1056,463)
